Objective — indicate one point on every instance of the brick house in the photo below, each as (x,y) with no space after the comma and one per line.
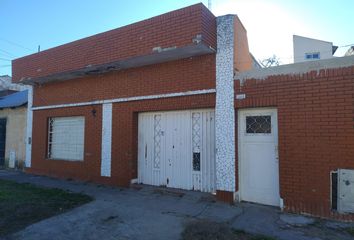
(313,105)
(173,101)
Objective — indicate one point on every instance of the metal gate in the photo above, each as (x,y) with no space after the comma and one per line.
(177,149)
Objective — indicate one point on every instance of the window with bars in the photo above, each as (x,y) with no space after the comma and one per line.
(196,140)
(258,124)
(66,138)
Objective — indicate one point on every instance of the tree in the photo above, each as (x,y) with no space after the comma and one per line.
(270,62)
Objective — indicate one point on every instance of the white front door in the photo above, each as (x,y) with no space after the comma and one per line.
(258,156)
(177,149)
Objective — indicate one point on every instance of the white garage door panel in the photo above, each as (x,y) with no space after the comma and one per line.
(167,141)
(177,148)
(149,148)
(208,152)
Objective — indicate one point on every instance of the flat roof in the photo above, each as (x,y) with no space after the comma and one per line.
(159,56)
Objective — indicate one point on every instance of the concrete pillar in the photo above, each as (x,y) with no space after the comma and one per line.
(29,128)
(225,112)
(106,150)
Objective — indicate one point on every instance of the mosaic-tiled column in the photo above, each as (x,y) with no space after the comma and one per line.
(225,112)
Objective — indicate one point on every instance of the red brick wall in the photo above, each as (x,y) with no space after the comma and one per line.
(177,76)
(124,138)
(176,28)
(316,131)
(242,56)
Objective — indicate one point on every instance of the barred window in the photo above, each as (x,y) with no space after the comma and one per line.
(66,138)
(258,124)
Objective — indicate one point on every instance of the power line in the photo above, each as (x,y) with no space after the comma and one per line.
(7,53)
(5,59)
(16,44)
(5,65)
(349,45)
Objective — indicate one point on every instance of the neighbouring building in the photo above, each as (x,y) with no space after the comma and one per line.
(255,63)
(7,86)
(309,49)
(13,113)
(178,101)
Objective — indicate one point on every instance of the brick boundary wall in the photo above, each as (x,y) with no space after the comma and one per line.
(316,132)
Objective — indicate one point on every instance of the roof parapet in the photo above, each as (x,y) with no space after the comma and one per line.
(296,68)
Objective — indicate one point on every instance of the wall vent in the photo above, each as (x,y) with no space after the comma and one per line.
(342,190)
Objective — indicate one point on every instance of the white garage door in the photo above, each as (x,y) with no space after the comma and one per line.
(177,149)
(259,167)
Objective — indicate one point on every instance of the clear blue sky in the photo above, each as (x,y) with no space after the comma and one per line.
(270,23)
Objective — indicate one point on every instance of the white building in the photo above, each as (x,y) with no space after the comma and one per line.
(6,84)
(309,49)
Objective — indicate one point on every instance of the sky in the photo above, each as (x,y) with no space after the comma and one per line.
(270,24)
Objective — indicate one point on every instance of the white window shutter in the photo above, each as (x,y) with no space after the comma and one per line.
(66,138)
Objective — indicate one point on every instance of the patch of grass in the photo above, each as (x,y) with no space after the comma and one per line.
(207,230)
(22,204)
(350,230)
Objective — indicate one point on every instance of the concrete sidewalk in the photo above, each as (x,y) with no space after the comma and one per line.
(144,212)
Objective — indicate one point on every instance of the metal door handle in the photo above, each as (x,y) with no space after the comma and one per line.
(276,152)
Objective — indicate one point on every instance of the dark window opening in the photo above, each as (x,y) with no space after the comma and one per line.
(196,161)
(334,190)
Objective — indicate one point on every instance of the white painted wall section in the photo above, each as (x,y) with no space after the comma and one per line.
(225,112)
(29,128)
(303,45)
(106,152)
